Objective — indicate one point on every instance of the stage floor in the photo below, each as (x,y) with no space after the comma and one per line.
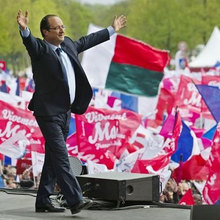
(21,207)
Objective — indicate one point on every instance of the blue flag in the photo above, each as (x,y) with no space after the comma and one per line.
(211,96)
(210,133)
(4,88)
(72,127)
(129,102)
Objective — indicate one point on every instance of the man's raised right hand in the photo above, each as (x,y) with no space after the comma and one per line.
(22,20)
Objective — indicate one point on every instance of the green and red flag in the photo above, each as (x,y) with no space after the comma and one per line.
(126,65)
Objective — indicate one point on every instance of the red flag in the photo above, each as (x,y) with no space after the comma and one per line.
(187,96)
(22,165)
(102,134)
(187,199)
(72,146)
(166,101)
(211,191)
(193,169)
(177,129)
(147,166)
(18,129)
(2,65)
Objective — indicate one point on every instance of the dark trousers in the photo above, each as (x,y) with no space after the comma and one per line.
(56,166)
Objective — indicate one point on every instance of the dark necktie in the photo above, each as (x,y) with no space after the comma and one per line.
(58,51)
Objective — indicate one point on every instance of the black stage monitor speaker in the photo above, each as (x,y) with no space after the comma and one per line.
(121,186)
(205,212)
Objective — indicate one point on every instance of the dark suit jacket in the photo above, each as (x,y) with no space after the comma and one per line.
(51,95)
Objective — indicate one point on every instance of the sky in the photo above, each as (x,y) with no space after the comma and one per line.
(104,2)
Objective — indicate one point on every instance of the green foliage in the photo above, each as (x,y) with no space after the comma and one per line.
(75,16)
(164,23)
(103,15)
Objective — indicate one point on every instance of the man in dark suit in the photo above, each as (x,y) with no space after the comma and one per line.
(61,87)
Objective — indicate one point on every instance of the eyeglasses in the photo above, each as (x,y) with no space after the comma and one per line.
(57,27)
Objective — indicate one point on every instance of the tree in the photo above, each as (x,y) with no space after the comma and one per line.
(75,16)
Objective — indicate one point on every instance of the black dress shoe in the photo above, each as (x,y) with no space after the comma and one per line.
(49,207)
(83,204)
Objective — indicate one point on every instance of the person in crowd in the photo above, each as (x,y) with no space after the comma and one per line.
(170,191)
(181,58)
(26,180)
(10,182)
(9,176)
(183,187)
(61,87)
(173,192)
(197,199)
(2,179)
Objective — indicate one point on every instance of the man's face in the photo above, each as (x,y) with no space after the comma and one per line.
(55,35)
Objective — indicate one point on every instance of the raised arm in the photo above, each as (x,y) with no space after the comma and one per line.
(32,45)
(22,20)
(119,22)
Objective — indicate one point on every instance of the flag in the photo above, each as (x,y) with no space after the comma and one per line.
(104,98)
(210,133)
(216,67)
(211,191)
(22,165)
(114,103)
(37,162)
(129,102)
(2,65)
(125,64)
(30,86)
(71,142)
(187,199)
(19,132)
(210,95)
(208,136)
(72,126)
(7,161)
(136,67)
(166,97)
(103,134)
(147,139)
(3,87)
(21,82)
(167,128)
(187,144)
(162,159)
(72,146)
(193,169)
(126,160)
(187,96)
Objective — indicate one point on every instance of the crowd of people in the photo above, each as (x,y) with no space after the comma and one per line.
(11,180)
(174,192)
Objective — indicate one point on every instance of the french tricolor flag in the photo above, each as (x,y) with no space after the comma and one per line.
(187,145)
